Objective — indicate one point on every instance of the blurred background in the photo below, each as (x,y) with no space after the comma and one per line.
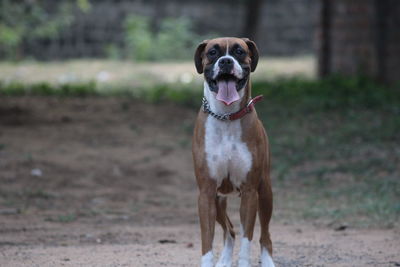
(98,101)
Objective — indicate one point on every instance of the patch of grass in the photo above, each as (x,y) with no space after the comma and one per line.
(66,218)
(335,155)
(366,201)
(39,194)
(47,89)
(335,174)
(299,93)
(183,94)
(330,93)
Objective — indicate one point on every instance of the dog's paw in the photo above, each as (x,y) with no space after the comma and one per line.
(244,262)
(266,260)
(224,262)
(207,260)
(244,253)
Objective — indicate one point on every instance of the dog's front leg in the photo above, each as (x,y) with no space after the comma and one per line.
(207,215)
(248,213)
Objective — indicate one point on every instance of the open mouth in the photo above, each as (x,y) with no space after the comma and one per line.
(227,86)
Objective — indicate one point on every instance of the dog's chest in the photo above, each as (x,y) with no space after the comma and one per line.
(226,154)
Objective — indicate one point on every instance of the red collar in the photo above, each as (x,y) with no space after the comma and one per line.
(232,116)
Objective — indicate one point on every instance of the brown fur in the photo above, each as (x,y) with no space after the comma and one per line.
(255,192)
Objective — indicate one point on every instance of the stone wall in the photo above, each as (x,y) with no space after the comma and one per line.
(286,26)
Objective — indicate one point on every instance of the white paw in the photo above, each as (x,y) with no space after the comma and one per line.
(225,260)
(244,253)
(266,260)
(207,260)
(244,263)
(224,263)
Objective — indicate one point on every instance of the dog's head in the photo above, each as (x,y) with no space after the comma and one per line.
(226,64)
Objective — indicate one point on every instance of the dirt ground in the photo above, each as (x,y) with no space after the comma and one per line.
(109,182)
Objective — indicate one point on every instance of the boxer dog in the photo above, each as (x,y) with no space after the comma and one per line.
(230,150)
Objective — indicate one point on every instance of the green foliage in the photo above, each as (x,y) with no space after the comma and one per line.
(179,33)
(177,93)
(9,37)
(142,44)
(25,21)
(78,89)
(113,52)
(84,5)
(47,89)
(331,93)
(139,38)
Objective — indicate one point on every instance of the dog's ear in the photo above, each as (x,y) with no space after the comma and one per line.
(198,56)
(253,53)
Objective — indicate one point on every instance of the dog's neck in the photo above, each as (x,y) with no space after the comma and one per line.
(218,107)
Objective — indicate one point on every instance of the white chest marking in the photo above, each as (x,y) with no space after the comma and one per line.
(226,153)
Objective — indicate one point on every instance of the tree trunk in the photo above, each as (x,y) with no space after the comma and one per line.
(380,38)
(324,62)
(252,19)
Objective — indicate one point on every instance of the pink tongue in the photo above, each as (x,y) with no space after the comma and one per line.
(227,92)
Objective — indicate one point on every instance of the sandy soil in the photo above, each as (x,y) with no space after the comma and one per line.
(109,182)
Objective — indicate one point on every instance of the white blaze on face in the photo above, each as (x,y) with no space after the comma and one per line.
(236,70)
(227,89)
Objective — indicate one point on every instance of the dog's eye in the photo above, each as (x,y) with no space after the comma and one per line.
(239,51)
(212,52)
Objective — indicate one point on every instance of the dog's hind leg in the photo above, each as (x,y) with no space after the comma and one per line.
(225,260)
(265,213)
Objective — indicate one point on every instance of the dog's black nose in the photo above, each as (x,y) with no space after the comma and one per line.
(225,62)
